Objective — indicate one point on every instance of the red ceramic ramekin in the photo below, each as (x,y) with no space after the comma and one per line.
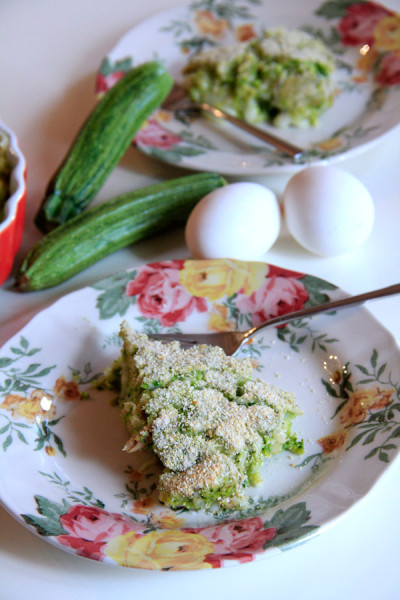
(11,227)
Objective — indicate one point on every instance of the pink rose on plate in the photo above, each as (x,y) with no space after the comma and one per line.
(90,528)
(278,296)
(160,294)
(105,82)
(236,541)
(154,135)
(358,24)
(389,70)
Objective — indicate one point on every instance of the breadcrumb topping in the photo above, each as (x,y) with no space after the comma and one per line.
(203,415)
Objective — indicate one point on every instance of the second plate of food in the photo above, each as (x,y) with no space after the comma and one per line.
(366,78)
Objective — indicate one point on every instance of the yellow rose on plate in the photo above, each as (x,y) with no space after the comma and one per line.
(387,34)
(361,401)
(218,320)
(332,442)
(167,520)
(166,550)
(66,390)
(208,24)
(245,32)
(143,506)
(214,279)
(335,143)
(38,406)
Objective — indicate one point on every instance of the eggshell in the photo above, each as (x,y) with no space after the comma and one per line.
(328,210)
(239,220)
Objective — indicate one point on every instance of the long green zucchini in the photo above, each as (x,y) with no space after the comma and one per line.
(101,143)
(107,227)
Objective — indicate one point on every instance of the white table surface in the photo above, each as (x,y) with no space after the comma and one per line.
(49,52)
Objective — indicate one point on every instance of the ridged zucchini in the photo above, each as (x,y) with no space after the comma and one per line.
(101,143)
(107,227)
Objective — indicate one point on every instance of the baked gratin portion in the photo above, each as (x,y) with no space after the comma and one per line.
(204,415)
(284,77)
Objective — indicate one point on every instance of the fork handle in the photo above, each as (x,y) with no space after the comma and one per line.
(313,310)
(294,151)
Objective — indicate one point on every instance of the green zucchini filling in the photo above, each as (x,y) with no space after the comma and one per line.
(208,421)
(283,78)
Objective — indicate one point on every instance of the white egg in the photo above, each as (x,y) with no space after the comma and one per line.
(328,210)
(239,220)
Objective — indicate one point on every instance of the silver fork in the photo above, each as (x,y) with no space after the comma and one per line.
(232,341)
(178,99)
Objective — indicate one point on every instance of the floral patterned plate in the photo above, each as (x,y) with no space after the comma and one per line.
(364,36)
(63,473)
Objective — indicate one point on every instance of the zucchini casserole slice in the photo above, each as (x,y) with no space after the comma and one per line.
(208,421)
(284,77)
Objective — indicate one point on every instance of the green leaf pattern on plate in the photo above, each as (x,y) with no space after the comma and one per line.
(130,528)
(80,522)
